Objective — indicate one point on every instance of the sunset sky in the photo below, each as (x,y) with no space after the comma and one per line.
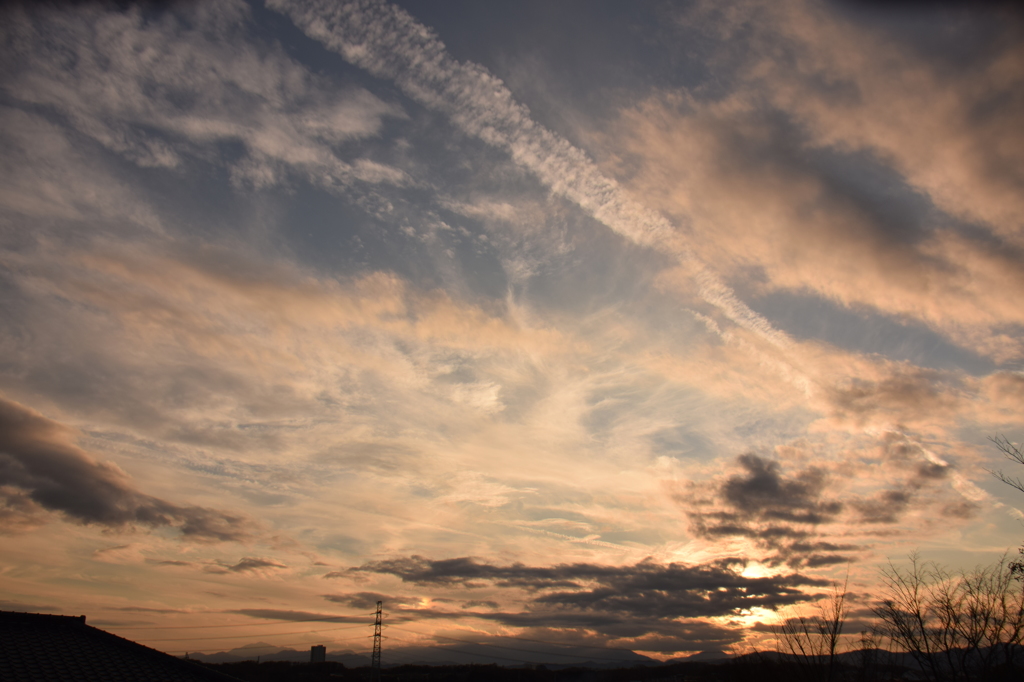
(611,324)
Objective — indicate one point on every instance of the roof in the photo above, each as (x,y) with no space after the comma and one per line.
(37,647)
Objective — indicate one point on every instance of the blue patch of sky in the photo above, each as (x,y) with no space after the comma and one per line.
(809,317)
(760,431)
(896,210)
(898,215)
(336,542)
(338,236)
(614,403)
(602,268)
(462,165)
(384,227)
(554,515)
(994,245)
(665,321)
(589,58)
(955,36)
(520,398)
(682,442)
(15,307)
(276,28)
(651,536)
(262,498)
(443,157)
(196,199)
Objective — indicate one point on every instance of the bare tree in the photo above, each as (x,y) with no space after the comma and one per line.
(962,626)
(1013,453)
(812,643)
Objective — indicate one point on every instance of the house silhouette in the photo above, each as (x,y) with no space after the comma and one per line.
(35,647)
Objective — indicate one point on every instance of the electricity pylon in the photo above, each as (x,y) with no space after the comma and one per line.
(375,661)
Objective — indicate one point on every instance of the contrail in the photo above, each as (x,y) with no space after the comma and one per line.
(389,43)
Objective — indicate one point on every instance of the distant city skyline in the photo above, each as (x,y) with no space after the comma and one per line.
(610,325)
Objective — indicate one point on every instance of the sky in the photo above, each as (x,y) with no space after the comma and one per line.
(624,326)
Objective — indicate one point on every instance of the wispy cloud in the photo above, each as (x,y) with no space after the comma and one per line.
(388,42)
(97,70)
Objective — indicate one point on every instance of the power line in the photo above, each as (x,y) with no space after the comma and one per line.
(221,650)
(265,634)
(274,621)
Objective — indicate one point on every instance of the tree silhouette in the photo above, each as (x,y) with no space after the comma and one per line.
(963,626)
(1013,453)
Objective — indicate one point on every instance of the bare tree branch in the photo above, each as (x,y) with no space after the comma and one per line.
(1014,454)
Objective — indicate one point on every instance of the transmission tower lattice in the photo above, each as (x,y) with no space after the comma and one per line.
(375,661)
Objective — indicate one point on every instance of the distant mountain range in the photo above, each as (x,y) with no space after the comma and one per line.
(509,652)
(502,651)
(270,652)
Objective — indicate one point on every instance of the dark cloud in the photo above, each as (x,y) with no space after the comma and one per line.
(818,560)
(782,511)
(655,606)
(39,464)
(820,547)
(779,512)
(358,455)
(963,509)
(918,468)
(932,470)
(19,513)
(885,507)
(466,571)
(763,492)
(296,616)
(368,600)
(908,394)
(646,589)
(903,451)
(245,565)
(731,524)
(252,564)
